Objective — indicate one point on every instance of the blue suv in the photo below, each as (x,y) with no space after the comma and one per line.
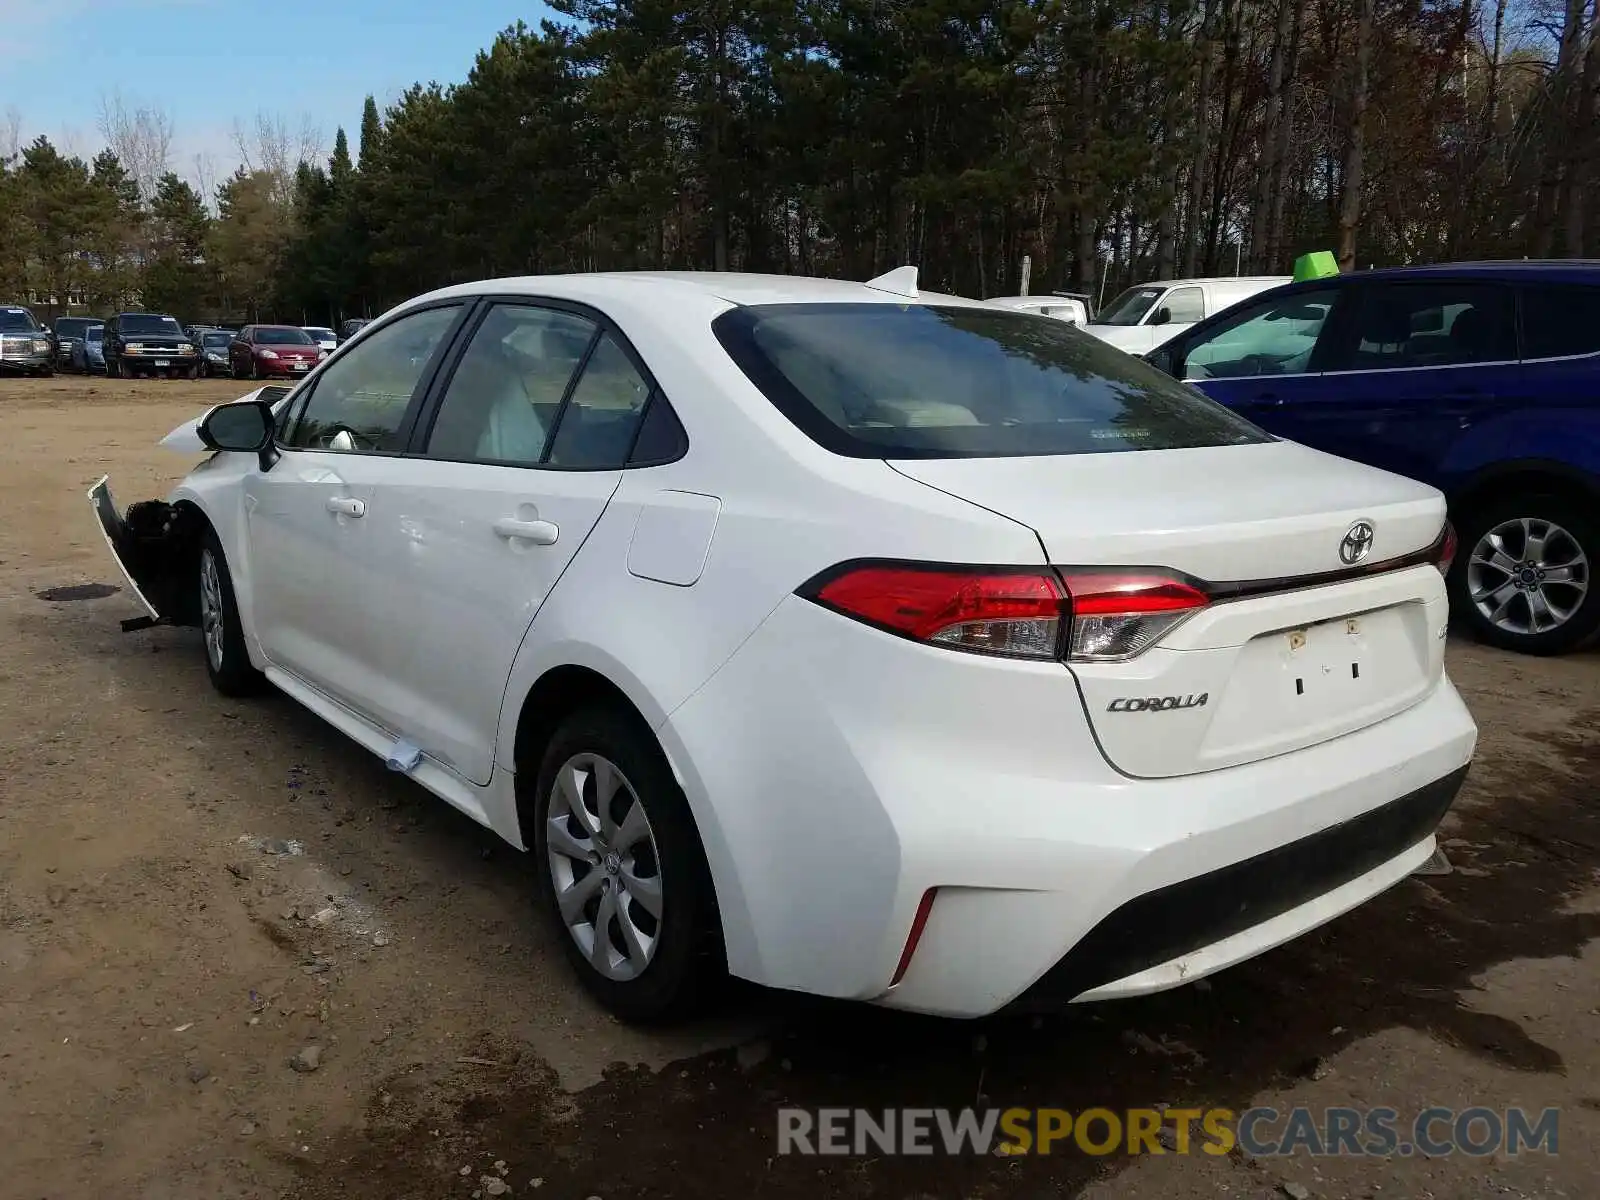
(1482,379)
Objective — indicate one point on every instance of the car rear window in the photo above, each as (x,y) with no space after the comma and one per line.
(927,381)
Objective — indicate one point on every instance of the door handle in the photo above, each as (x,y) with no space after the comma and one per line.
(347,506)
(540,533)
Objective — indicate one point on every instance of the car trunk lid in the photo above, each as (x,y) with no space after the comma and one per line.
(1298,644)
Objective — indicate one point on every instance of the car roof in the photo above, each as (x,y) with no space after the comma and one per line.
(1213,279)
(1587,270)
(1024,301)
(729,286)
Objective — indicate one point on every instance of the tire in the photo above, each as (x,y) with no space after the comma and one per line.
(1569,532)
(685,962)
(222,634)
(113,369)
(255,371)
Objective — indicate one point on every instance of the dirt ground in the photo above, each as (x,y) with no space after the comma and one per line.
(195,891)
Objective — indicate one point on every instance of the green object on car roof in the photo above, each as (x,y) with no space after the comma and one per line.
(1319,264)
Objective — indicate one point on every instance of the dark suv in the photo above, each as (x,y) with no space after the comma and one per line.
(25,345)
(139,343)
(1482,379)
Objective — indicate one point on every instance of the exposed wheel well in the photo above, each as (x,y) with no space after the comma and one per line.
(1530,480)
(557,694)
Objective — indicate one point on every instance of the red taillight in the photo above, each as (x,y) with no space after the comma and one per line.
(1118,614)
(1018,614)
(1447,548)
(918,924)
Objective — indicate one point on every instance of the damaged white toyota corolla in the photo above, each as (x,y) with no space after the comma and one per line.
(846,639)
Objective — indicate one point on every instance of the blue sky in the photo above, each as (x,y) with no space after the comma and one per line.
(210,65)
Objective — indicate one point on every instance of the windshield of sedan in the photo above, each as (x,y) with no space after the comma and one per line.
(919,381)
(318,333)
(95,333)
(216,339)
(145,324)
(1130,307)
(282,335)
(17,320)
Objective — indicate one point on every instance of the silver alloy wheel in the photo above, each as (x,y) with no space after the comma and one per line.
(1528,576)
(604,866)
(211,607)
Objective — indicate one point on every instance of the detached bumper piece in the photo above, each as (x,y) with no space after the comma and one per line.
(156,545)
(1177,920)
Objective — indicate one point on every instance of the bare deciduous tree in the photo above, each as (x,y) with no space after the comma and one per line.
(140,135)
(10,133)
(267,144)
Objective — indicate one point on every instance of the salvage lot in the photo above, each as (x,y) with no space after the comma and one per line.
(196,892)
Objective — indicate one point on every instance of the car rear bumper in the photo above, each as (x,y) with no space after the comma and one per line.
(838,774)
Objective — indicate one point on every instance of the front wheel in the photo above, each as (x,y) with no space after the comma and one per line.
(1524,576)
(621,870)
(227,660)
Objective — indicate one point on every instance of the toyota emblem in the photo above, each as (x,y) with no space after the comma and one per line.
(1357,543)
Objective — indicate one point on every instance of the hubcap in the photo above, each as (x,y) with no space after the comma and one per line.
(211,608)
(604,865)
(1528,576)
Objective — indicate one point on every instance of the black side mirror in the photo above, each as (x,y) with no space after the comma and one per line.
(1161,316)
(245,426)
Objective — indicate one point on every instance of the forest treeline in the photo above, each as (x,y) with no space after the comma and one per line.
(1108,140)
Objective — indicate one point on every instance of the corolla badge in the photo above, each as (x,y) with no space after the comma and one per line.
(1158,703)
(1357,543)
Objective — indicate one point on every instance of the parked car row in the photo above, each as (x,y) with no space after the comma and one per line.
(134,344)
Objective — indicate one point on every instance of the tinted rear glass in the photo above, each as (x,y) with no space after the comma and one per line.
(147,323)
(919,381)
(1558,321)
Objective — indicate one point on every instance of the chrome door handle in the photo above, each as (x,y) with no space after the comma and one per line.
(347,506)
(540,533)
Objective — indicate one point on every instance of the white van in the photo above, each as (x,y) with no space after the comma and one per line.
(1143,317)
(1070,309)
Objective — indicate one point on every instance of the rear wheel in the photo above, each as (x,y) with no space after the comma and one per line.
(227,660)
(621,870)
(1524,578)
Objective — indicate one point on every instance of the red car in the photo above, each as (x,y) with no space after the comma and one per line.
(262,351)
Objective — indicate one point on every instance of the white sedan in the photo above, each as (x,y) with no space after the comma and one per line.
(848,639)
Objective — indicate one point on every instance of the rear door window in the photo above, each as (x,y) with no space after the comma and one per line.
(912,380)
(1560,322)
(1409,325)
